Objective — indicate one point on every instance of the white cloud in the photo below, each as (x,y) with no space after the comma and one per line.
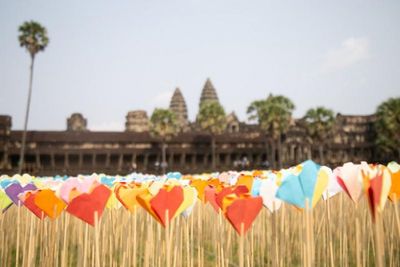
(108,126)
(351,51)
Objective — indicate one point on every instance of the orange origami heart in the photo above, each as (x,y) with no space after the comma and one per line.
(144,199)
(200,185)
(246,180)
(49,203)
(127,196)
(242,211)
(394,194)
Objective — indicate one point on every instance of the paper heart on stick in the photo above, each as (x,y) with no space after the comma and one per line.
(15,189)
(210,196)
(349,178)
(49,203)
(127,194)
(243,211)
(200,186)
(377,184)
(189,209)
(394,194)
(5,201)
(238,190)
(144,199)
(73,187)
(189,199)
(268,190)
(28,198)
(167,200)
(308,185)
(86,205)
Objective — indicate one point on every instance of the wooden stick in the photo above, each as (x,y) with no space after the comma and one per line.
(241,246)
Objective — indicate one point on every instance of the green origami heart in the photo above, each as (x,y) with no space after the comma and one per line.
(5,201)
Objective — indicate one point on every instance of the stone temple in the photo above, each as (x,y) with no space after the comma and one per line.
(242,146)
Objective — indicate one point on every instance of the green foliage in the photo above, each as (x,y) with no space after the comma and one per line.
(319,123)
(163,123)
(273,114)
(211,117)
(388,124)
(33,37)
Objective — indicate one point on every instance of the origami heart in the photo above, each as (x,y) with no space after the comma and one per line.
(348,177)
(188,211)
(144,199)
(320,185)
(245,180)
(243,211)
(73,187)
(29,202)
(49,203)
(210,195)
(333,186)
(155,187)
(377,184)
(113,202)
(189,199)
(238,190)
(5,201)
(127,196)
(394,193)
(200,185)
(291,191)
(85,205)
(167,200)
(268,190)
(14,190)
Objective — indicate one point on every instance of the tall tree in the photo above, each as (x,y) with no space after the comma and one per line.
(388,126)
(33,37)
(274,115)
(163,125)
(212,119)
(319,124)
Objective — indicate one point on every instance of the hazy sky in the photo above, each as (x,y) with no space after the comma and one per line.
(108,57)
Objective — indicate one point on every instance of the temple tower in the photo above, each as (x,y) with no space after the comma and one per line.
(76,123)
(137,121)
(178,107)
(209,93)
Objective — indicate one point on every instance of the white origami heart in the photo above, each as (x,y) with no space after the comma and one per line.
(268,190)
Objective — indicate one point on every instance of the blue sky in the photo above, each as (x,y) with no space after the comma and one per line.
(108,57)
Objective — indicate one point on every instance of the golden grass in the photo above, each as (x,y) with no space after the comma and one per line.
(341,235)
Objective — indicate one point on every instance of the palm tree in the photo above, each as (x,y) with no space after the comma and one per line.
(274,115)
(212,119)
(388,126)
(319,124)
(164,125)
(33,37)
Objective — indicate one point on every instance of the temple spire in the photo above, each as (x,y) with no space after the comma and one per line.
(209,93)
(178,106)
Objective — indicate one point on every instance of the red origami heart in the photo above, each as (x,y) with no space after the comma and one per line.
(238,190)
(85,205)
(243,211)
(167,200)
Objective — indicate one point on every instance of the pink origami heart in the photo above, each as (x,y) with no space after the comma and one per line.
(80,185)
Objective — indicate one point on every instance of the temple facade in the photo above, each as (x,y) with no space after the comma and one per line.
(77,150)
